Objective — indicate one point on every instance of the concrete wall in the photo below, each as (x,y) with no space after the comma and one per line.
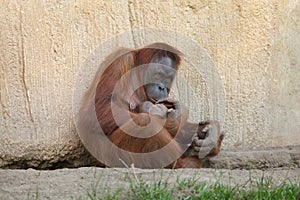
(254,46)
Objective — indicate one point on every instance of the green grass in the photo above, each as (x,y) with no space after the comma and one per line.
(189,189)
(193,189)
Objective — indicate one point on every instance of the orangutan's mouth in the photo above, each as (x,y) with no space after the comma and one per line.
(153,100)
(170,104)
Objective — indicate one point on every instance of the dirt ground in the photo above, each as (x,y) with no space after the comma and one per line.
(279,164)
(76,183)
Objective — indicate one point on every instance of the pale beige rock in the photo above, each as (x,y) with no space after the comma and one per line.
(254,46)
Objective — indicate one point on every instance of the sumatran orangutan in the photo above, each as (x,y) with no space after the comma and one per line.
(129,103)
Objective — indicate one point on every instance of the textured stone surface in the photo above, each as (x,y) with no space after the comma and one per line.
(261,158)
(254,46)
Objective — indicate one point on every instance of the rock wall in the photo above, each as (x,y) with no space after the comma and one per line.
(254,46)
